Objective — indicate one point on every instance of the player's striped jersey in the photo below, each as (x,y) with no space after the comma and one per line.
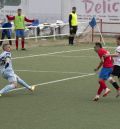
(117,59)
(4,55)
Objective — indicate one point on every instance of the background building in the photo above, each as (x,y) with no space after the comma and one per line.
(50,11)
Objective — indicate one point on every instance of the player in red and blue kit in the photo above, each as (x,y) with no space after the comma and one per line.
(107,66)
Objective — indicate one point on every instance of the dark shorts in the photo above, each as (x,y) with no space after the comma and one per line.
(20,33)
(116,71)
(6,33)
(73,30)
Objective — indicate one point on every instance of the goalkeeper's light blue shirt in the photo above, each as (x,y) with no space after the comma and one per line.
(4,55)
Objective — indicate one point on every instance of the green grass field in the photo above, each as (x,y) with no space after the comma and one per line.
(66,85)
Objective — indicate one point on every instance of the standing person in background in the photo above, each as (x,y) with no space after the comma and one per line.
(19,24)
(73,23)
(6,32)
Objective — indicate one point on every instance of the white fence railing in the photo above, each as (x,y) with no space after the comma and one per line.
(81,25)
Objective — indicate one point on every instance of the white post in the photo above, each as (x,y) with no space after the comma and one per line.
(101,35)
(54,33)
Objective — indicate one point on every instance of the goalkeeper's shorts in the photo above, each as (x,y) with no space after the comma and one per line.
(10,76)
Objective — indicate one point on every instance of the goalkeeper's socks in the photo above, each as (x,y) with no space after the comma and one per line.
(115,85)
(7,89)
(23,83)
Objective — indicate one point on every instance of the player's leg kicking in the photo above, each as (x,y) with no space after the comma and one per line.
(13,79)
(24,84)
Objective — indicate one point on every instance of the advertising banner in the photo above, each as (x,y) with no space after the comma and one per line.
(108,10)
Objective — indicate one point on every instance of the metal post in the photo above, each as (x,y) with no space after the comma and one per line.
(92,35)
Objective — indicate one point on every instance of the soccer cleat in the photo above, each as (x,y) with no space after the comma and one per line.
(32,88)
(107,91)
(97,97)
(118,93)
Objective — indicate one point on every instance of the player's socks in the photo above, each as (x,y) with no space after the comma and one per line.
(102,84)
(16,43)
(7,89)
(70,40)
(23,42)
(100,90)
(23,83)
(115,85)
(102,87)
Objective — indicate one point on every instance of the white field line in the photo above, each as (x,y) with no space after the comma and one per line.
(53,53)
(46,54)
(72,56)
(56,81)
(36,71)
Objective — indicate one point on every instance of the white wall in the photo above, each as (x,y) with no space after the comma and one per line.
(109,10)
(45,10)
(50,10)
(66,9)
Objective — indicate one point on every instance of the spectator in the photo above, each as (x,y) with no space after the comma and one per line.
(6,32)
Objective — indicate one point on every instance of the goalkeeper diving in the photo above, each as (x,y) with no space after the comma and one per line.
(7,72)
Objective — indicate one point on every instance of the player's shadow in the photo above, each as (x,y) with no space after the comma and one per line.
(22,94)
(107,100)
